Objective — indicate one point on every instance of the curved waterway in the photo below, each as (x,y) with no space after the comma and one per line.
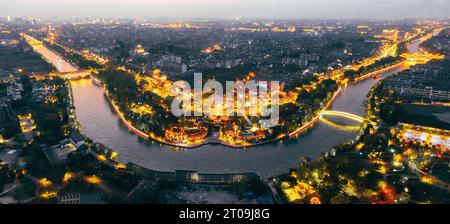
(100,123)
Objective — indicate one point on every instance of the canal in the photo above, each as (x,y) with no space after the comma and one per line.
(100,123)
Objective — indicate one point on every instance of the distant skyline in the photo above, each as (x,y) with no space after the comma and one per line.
(270,9)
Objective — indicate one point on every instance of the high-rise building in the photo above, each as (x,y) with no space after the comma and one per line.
(6,112)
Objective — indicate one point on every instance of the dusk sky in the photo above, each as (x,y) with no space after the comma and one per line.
(302,9)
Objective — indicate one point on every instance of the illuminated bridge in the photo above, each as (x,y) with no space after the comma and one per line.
(73,74)
(343,114)
(330,123)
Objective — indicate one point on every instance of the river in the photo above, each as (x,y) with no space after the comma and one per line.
(100,123)
(57,61)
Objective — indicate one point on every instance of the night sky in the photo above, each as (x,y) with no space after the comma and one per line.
(277,9)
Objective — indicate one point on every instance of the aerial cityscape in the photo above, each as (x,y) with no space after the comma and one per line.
(169,102)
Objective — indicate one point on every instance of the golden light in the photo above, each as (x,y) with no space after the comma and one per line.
(315,200)
(391,142)
(48,194)
(68,176)
(382,169)
(290,192)
(156,72)
(426,180)
(382,184)
(363,173)
(44,182)
(359,146)
(398,158)
(2,140)
(102,157)
(93,179)
(114,155)
(120,166)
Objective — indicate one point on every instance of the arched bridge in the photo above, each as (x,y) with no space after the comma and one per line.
(343,114)
(330,113)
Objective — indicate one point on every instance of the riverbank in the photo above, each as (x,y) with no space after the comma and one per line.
(136,130)
(99,122)
(308,125)
(381,71)
(293,134)
(152,137)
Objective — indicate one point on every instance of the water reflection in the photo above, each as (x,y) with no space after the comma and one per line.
(100,123)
